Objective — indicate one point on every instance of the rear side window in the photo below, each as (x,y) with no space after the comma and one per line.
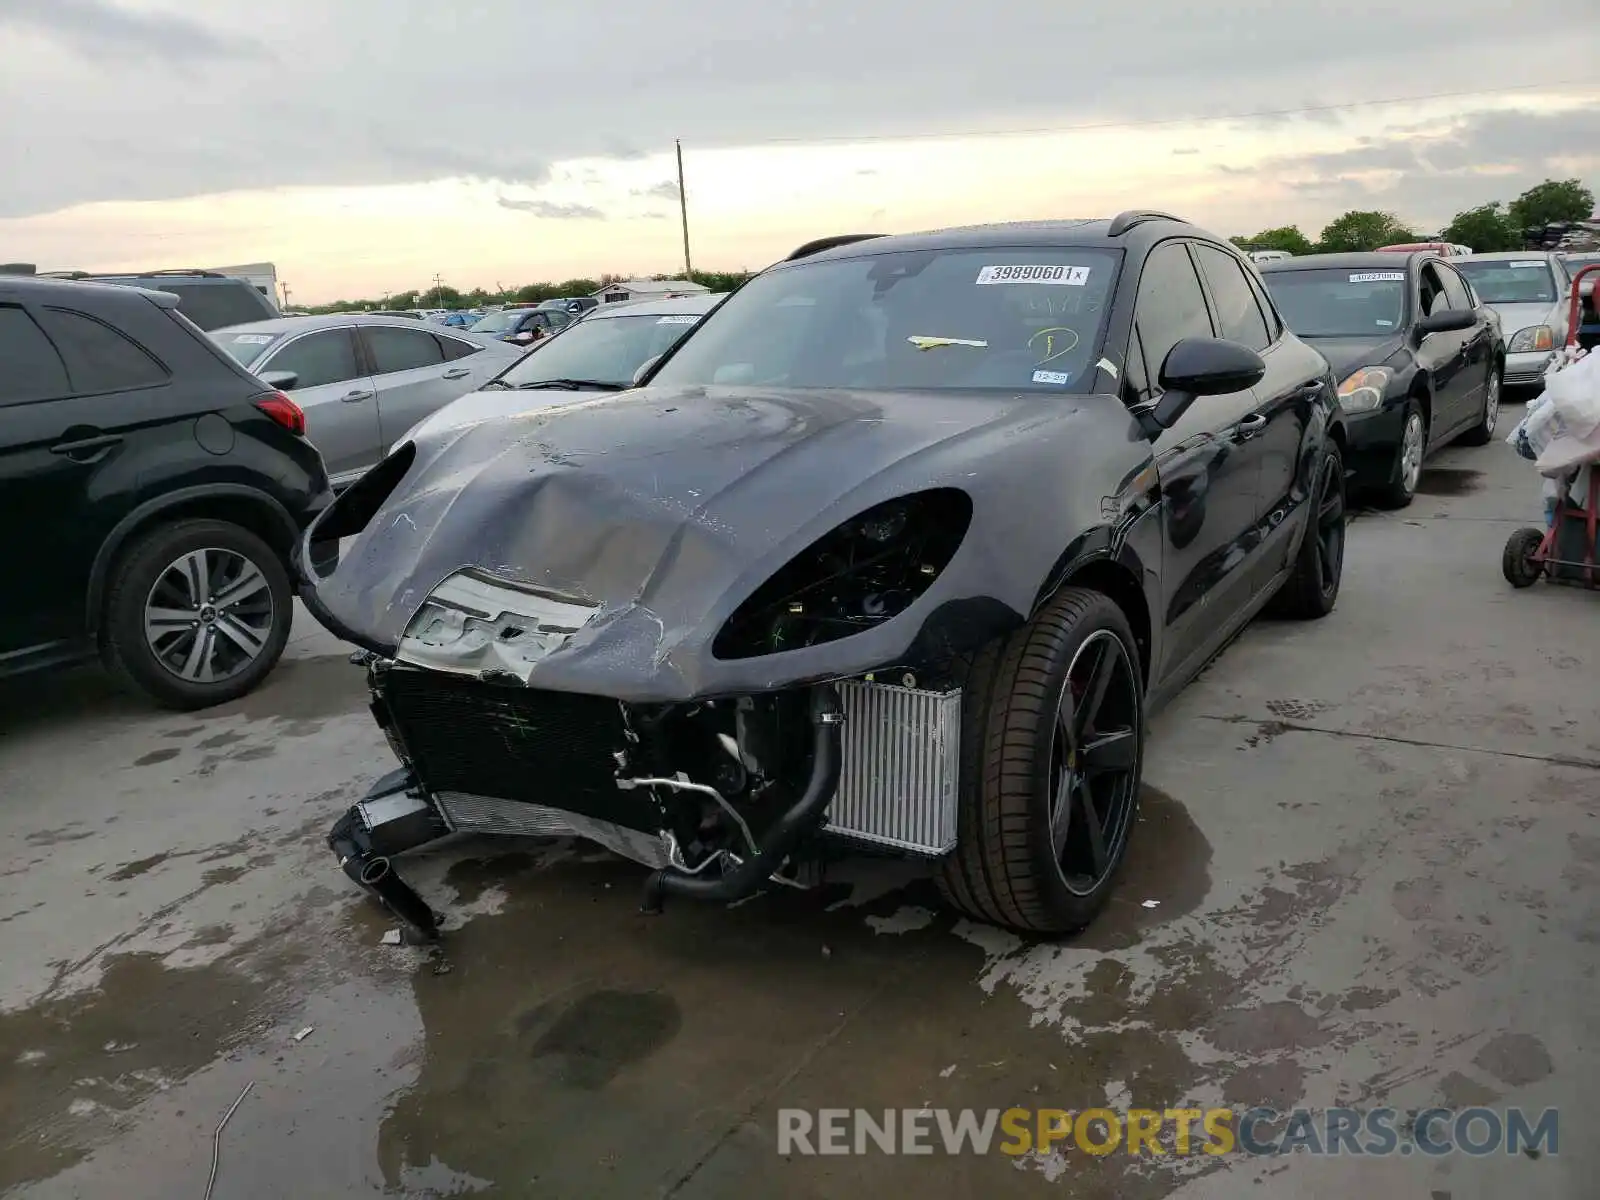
(1237,311)
(317,358)
(401,349)
(33,370)
(1171,305)
(103,360)
(215,305)
(455,348)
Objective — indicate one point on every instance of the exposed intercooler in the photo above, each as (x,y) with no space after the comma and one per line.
(902,757)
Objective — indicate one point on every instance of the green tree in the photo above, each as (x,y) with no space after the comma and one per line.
(1285,237)
(1363,230)
(577,287)
(1551,201)
(1486,229)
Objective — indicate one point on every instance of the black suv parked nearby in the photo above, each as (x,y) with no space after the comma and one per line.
(210,300)
(151,491)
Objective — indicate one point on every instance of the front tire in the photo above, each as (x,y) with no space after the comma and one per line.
(1312,588)
(198,612)
(1401,487)
(1051,756)
(1483,431)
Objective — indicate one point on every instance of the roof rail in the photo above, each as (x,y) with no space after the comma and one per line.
(63,275)
(1122,222)
(829,243)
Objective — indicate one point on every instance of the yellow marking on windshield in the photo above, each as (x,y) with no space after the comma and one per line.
(931,343)
(1051,352)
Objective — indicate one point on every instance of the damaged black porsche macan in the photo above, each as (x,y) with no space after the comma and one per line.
(897,550)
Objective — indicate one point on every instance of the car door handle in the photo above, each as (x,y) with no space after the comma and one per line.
(1251,425)
(457,373)
(88,449)
(356,396)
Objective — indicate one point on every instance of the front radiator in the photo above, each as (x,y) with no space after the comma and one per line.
(902,757)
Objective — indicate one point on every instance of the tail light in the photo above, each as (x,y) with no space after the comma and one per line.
(284,411)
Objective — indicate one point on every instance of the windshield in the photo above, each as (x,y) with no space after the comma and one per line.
(1341,302)
(1510,280)
(499,322)
(603,349)
(245,348)
(1017,319)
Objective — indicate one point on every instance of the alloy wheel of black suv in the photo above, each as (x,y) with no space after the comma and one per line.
(154,488)
(913,576)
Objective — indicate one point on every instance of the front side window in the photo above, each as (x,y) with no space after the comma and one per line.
(401,349)
(1455,289)
(104,359)
(33,370)
(1343,302)
(1171,306)
(1026,318)
(318,359)
(1237,311)
(605,350)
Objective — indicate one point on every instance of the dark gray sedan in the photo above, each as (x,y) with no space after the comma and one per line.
(1419,358)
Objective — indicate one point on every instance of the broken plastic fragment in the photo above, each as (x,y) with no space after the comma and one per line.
(392,938)
(304,1033)
(1151,904)
(931,343)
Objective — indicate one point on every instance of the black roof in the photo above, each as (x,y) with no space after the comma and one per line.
(40,288)
(1135,229)
(1366,260)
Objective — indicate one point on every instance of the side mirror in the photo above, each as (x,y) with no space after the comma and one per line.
(1446,321)
(1198,367)
(283,381)
(644,369)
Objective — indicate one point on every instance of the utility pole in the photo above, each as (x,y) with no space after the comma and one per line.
(438,291)
(683,208)
(285,286)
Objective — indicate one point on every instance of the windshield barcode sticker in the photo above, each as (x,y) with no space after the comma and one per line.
(1378,277)
(686,319)
(252,339)
(1057,276)
(1517,265)
(1051,377)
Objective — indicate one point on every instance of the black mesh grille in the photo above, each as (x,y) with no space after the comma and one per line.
(516,743)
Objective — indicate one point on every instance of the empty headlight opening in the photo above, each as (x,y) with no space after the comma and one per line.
(864,572)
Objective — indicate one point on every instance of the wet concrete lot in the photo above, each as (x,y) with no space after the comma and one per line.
(1373,844)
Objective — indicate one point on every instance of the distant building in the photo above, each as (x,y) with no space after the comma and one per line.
(263,276)
(648,289)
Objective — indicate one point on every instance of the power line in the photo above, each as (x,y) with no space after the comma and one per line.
(1093,126)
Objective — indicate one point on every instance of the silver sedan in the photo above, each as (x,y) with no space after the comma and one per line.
(362,379)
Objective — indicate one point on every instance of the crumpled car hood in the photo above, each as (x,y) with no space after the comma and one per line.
(667,507)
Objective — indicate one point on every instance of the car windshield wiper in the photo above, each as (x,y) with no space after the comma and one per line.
(572,385)
(495,385)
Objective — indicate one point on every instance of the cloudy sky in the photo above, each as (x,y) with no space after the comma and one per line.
(364,145)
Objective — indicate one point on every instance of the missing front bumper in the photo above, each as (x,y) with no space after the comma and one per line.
(881,768)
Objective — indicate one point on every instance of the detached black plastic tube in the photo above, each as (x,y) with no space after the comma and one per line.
(827,717)
(375,875)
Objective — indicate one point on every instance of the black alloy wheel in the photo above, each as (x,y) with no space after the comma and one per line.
(1093,763)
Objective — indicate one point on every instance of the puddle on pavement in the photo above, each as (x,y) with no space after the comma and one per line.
(576,1046)
(1449,481)
(77,1063)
